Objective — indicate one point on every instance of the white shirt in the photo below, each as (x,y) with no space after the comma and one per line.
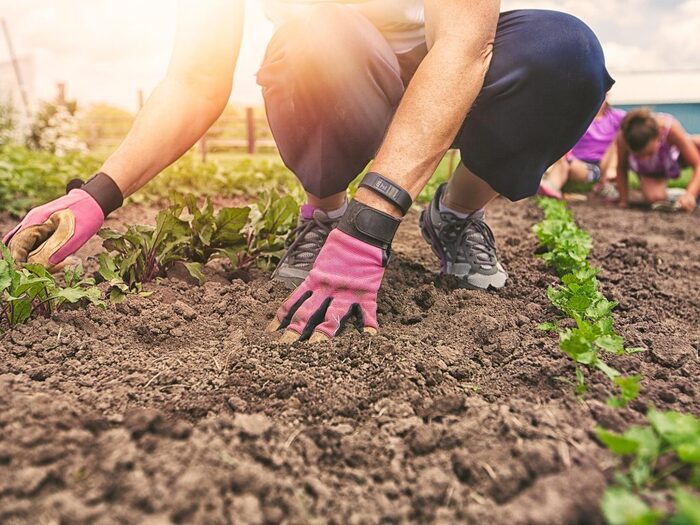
(402,22)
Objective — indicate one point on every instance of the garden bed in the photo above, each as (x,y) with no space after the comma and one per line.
(177,407)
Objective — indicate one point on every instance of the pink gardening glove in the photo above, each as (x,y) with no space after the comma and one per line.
(344,281)
(52,232)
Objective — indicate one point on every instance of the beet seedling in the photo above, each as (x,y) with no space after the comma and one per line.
(186,233)
(32,291)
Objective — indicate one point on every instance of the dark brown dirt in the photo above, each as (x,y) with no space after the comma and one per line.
(176,408)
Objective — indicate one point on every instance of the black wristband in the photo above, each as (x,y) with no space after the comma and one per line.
(103,189)
(369,225)
(389,191)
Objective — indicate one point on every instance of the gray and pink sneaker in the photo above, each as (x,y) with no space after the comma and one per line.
(466,247)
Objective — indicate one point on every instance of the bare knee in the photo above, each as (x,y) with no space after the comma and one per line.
(656,193)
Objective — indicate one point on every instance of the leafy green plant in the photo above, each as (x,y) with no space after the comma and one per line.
(272,220)
(31,178)
(567,246)
(578,297)
(228,176)
(663,455)
(32,291)
(192,235)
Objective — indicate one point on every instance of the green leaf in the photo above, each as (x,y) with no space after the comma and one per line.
(687,508)
(195,270)
(622,507)
(614,344)
(229,224)
(648,443)
(117,296)
(608,370)
(21,311)
(548,327)
(618,444)
(629,386)
(689,452)
(676,428)
(72,295)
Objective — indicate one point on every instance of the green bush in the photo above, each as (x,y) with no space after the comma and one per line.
(31,178)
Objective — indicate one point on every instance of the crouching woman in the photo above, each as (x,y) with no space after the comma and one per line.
(656,147)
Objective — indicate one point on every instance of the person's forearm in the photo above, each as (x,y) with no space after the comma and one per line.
(623,185)
(429,117)
(694,186)
(176,115)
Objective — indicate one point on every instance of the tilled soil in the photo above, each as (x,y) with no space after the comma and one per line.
(177,408)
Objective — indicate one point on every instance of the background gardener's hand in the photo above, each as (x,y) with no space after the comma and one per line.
(688,202)
(52,232)
(342,285)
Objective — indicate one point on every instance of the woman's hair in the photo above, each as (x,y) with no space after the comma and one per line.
(639,128)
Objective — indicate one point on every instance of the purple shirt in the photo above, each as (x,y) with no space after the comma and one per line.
(600,135)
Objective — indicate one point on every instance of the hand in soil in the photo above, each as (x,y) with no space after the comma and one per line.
(688,202)
(342,286)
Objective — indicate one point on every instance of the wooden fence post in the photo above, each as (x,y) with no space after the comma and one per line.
(250,118)
(203,147)
(61,95)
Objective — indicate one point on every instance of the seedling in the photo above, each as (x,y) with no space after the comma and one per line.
(194,236)
(578,297)
(32,291)
(662,455)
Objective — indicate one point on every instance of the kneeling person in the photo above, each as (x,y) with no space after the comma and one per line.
(402,81)
(656,147)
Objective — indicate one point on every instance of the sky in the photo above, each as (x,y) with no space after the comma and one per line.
(106,50)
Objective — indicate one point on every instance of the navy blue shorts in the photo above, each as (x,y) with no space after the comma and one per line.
(546,82)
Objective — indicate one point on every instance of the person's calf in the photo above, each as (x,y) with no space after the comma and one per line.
(466,193)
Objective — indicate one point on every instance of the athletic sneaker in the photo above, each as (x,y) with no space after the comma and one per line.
(466,247)
(608,191)
(308,239)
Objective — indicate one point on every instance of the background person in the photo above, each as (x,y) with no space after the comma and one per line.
(348,81)
(656,147)
(593,158)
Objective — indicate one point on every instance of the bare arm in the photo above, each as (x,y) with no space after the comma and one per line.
(443,90)
(192,96)
(623,168)
(690,154)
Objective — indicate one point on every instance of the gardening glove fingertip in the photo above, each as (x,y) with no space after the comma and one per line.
(289,337)
(273,325)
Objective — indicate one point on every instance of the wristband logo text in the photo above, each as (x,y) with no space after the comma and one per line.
(386,188)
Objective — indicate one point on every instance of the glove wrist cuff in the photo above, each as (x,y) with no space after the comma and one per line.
(369,225)
(103,189)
